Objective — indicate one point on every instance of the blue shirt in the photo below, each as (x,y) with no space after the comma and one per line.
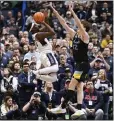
(29,55)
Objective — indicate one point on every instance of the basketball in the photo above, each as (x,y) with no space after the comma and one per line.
(39,17)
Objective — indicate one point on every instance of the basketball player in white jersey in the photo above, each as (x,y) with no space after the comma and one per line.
(47,58)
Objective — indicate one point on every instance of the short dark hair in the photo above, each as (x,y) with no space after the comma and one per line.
(86,24)
(15,63)
(25,63)
(57,46)
(89,80)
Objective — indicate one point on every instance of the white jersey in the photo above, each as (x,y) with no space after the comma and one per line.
(47,57)
(43,48)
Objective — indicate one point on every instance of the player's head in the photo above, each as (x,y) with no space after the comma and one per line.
(33,28)
(85,25)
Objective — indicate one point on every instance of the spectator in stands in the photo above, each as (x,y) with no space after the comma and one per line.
(106,29)
(12,94)
(30,18)
(104,86)
(24,41)
(4,59)
(17,55)
(49,97)
(2,21)
(20,35)
(35,109)
(81,13)
(8,50)
(19,20)
(70,19)
(11,38)
(62,92)
(16,69)
(110,45)
(57,51)
(97,64)
(92,102)
(107,56)
(62,67)
(10,65)
(94,53)
(95,41)
(62,81)
(109,59)
(25,34)
(15,45)
(32,52)
(9,109)
(13,29)
(90,49)
(106,41)
(9,16)
(27,84)
(105,8)
(95,31)
(64,51)
(25,49)
(8,80)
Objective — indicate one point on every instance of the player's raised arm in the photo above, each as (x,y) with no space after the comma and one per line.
(48,28)
(79,24)
(63,22)
(46,32)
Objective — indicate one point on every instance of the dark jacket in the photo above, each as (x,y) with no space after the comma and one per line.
(25,89)
(46,99)
(96,99)
(4,61)
(35,111)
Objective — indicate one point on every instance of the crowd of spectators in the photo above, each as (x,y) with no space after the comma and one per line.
(22,96)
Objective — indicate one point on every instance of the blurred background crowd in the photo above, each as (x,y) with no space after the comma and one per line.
(22,96)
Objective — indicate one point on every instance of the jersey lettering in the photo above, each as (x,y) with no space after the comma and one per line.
(51,58)
(75,44)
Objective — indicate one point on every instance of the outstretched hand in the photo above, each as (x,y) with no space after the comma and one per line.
(49,5)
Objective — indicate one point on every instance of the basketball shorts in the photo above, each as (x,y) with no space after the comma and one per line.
(81,71)
(48,59)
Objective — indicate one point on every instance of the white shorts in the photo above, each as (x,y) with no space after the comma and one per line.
(48,59)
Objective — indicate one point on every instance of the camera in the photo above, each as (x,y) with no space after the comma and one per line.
(36,94)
